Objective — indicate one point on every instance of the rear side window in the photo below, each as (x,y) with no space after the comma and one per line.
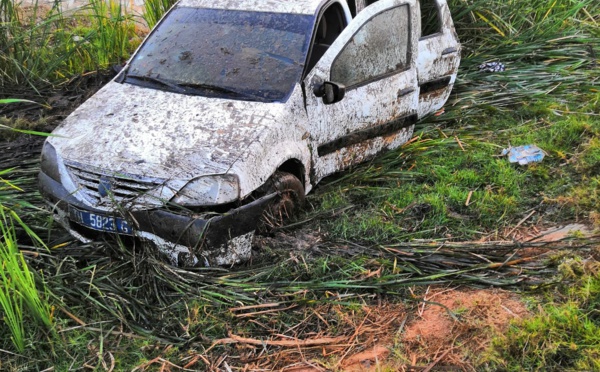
(379,48)
(430,18)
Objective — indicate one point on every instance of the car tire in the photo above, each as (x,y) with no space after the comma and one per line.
(291,191)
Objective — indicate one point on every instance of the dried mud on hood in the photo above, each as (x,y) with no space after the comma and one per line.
(190,134)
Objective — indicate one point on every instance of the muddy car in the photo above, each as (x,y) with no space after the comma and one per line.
(230,111)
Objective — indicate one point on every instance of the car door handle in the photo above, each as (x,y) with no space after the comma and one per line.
(403,92)
(449,50)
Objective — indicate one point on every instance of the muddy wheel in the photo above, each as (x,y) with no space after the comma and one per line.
(291,198)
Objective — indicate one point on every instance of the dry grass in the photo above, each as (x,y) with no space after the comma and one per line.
(445,327)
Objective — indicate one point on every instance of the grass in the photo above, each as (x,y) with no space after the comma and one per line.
(422,191)
(22,297)
(565,332)
(11,128)
(389,228)
(155,9)
(44,47)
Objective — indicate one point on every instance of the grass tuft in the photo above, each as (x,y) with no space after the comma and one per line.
(155,9)
(42,47)
(564,334)
(19,296)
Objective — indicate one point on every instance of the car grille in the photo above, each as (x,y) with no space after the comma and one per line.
(123,187)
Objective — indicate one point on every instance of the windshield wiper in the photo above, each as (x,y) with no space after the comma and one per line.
(156,80)
(216,88)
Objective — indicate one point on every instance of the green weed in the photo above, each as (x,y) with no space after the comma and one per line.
(45,47)
(155,9)
(19,296)
(565,332)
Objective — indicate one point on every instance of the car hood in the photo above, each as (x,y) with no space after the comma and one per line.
(151,133)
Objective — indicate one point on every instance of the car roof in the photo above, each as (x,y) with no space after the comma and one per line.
(274,6)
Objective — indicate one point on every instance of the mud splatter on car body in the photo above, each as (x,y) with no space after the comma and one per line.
(222,95)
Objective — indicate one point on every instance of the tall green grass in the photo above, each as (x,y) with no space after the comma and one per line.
(155,9)
(22,298)
(550,50)
(44,47)
(112,33)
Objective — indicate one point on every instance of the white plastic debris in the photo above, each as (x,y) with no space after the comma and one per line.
(492,67)
(524,154)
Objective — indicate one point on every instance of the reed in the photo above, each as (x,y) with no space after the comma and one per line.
(44,47)
(155,9)
(21,295)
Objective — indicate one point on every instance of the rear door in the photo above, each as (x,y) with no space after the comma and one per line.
(439,55)
(374,58)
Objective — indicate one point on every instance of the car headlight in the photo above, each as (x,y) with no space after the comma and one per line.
(209,190)
(49,162)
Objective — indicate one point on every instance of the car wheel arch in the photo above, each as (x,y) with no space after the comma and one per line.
(292,166)
(291,197)
(295,167)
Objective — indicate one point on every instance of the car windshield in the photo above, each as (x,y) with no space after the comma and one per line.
(256,56)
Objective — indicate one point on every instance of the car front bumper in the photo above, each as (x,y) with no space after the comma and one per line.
(219,240)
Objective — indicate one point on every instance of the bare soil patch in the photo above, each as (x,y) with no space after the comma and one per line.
(455,325)
(330,338)
(447,331)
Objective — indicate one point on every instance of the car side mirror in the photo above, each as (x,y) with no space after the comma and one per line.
(331,92)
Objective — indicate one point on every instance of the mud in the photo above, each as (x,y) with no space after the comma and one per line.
(54,103)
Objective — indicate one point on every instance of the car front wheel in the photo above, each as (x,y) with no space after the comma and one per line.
(291,191)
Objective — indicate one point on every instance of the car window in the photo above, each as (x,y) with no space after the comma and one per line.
(330,26)
(225,53)
(430,18)
(380,47)
(352,7)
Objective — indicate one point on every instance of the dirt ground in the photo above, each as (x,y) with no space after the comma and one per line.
(447,331)
(455,325)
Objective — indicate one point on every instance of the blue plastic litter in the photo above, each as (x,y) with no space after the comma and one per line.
(524,154)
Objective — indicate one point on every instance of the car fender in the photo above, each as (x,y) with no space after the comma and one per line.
(264,160)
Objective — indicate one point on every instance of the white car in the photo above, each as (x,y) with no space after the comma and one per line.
(232,110)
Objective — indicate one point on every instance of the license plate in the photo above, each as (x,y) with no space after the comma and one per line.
(100,222)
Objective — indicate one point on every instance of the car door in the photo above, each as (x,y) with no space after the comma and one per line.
(439,55)
(374,59)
